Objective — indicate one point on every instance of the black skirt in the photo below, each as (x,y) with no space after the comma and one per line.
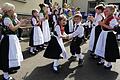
(111,48)
(31,38)
(97,33)
(4,55)
(53,50)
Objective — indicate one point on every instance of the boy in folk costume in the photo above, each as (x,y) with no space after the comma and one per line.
(107,47)
(96,29)
(56,46)
(10,49)
(77,38)
(45,25)
(36,36)
(88,26)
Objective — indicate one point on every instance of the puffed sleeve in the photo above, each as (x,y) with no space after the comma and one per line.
(34,21)
(7,21)
(58,31)
(97,19)
(113,23)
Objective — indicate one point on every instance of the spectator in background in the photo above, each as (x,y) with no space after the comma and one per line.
(0,26)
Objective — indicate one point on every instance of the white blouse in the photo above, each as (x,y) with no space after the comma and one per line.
(7,21)
(78,32)
(113,23)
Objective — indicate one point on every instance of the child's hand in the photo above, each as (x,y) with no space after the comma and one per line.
(67,37)
(101,23)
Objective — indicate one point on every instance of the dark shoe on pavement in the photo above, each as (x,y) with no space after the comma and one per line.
(108,67)
(32,53)
(10,78)
(72,58)
(100,63)
(12,72)
(80,62)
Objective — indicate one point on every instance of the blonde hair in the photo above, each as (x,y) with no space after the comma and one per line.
(111,7)
(7,7)
(0,16)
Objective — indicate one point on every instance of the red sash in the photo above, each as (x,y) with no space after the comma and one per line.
(62,30)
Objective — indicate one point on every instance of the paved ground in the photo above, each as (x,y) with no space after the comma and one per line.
(39,68)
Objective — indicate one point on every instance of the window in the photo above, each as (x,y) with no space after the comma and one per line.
(91,6)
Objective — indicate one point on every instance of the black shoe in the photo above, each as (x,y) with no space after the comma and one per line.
(72,58)
(10,78)
(95,57)
(42,48)
(33,53)
(108,68)
(60,57)
(36,50)
(100,63)
(12,72)
(80,62)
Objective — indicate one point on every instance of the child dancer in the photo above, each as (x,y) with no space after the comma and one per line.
(10,49)
(107,47)
(96,29)
(78,36)
(56,46)
(36,36)
(45,25)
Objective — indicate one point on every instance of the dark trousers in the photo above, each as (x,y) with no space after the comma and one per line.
(75,45)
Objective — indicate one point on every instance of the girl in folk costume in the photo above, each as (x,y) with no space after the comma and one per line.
(96,29)
(78,36)
(45,25)
(10,49)
(107,47)
(56,47)
(36,36)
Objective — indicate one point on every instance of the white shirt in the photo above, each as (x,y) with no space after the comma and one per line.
(98,17)
(7,21)
(113,23)
(58,31)
(79,31)
(34,22)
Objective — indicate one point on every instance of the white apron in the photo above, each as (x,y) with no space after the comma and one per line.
(15,53)
(92,38)
(46,31)
(37,36)
(100,46)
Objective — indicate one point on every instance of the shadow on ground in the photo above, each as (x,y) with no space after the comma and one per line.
(90,71)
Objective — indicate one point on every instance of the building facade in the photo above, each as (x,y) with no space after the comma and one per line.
(88,5)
